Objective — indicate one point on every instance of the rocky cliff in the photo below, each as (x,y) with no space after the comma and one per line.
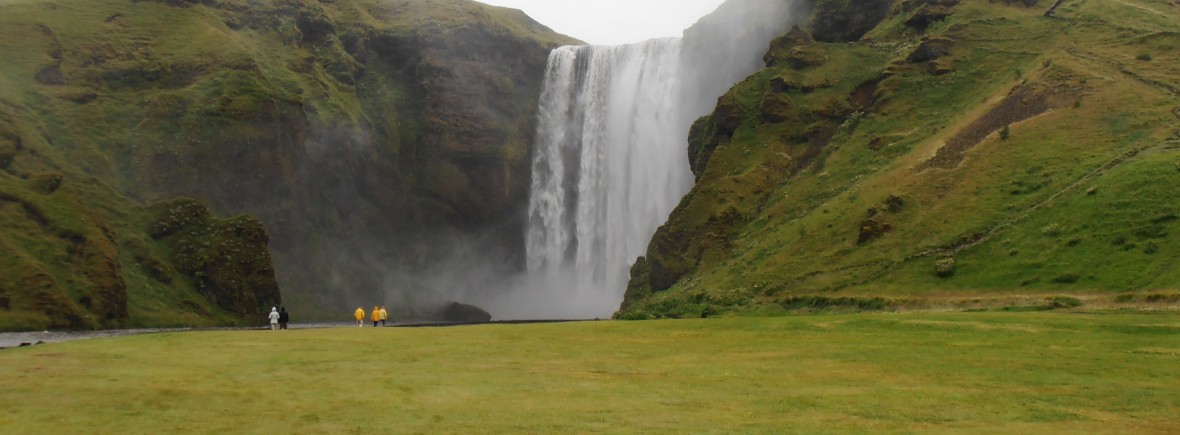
(371,138)
(932,152)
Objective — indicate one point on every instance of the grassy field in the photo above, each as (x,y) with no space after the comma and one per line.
(964,372)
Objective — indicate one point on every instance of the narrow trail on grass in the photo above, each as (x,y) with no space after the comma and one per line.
(1138,7)
(1093,58)
(30,338)
(1053,9)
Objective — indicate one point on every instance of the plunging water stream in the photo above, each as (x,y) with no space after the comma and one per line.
(611,154)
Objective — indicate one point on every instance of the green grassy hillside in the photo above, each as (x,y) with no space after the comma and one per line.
(355,130)
(956,151)
(77,255)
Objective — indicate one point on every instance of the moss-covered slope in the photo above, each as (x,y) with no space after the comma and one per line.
(955,150)
(74,254)
(356,130)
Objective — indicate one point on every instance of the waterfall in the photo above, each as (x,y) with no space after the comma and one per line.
(611,160)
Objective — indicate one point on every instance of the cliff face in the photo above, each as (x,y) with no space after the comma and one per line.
(359,132)
(77,255)
(931,152)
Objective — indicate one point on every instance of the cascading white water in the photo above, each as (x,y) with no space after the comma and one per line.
(611,158)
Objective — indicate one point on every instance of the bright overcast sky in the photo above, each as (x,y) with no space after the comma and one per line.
(614,21)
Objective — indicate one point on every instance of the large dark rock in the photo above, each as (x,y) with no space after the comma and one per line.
(703,138)
(930,12)
(463,313)
(845,20)
(931,49)
(791,49)
(227,259)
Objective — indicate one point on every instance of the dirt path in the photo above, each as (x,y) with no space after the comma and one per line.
(19,339)
(1139,7)
(1091,57)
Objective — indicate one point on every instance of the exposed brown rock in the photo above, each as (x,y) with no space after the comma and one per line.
(842,20)
(871,229)
(931,12)
(775,107)
(1024,102)
(931,49)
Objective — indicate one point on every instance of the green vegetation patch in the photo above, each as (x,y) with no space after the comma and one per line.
(976,372)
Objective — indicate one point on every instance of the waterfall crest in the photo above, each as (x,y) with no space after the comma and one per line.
(611,162)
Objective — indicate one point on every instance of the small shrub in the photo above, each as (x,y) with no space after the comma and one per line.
(1006,132)
(1146,57)
(1159,299)
(1151,248)
(1056,302)
(633,315)
(1124,298)
(1171,217)
(1155,231)
(945,267)
(821,303)
(1068,278)
(1051,230)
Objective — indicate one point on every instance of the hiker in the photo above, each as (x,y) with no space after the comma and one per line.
(376,316)
(283,318)
(384,315)
(360,317)
(274,319)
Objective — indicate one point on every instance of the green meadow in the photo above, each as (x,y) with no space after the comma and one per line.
(923,372)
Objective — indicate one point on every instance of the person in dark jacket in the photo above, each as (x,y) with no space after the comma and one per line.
(283,318)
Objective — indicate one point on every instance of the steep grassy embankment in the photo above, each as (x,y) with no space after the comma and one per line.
(957,152)
(357,131)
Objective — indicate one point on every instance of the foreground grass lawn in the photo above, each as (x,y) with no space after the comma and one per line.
(969,372)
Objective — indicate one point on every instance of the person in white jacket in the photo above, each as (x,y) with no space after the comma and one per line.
(274,319)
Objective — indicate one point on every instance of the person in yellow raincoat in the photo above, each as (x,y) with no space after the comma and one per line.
(376,316)
(384,315)
(360,317)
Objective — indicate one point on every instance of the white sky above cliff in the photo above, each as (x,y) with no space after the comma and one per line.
(608,22)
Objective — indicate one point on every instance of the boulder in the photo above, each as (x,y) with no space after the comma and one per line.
(846,21)
(776,107)
(931,49)
(464,313)
(930,13)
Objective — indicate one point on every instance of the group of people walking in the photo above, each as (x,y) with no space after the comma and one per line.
(379,315)
(278,318)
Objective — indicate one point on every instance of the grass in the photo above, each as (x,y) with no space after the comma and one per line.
(966,372)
